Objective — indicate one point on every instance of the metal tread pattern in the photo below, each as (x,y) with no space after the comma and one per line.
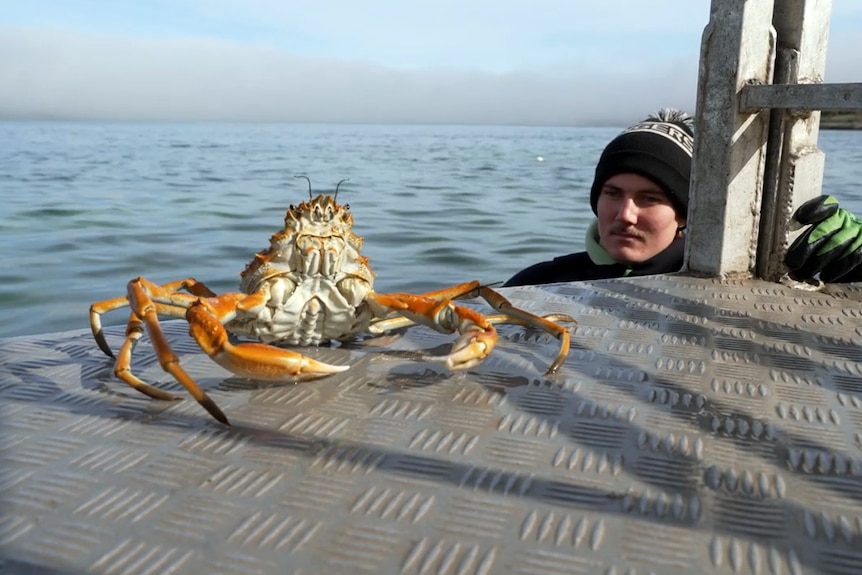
(696,426)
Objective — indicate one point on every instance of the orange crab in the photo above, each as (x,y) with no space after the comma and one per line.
(312,285)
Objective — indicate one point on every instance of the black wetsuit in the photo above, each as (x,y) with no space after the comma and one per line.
(579,266)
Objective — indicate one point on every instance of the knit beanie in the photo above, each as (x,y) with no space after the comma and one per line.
(658,148)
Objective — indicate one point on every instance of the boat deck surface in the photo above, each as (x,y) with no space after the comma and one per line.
(697,426)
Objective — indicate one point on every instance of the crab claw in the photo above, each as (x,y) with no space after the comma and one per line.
(470,349)
(268,363)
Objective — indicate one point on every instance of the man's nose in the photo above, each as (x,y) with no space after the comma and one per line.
(628,211)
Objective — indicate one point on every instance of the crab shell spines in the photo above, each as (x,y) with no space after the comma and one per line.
(317,230)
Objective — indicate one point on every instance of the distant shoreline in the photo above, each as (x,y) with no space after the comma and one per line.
(841,120)
(829,120)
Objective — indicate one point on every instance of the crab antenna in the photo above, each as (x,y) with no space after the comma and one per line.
(309,184)
(338,184)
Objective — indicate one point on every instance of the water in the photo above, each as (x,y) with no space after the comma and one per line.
(87,206)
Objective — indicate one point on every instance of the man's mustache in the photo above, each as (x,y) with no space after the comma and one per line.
(625,230)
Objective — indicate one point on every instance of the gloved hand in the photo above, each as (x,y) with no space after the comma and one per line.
(832,245)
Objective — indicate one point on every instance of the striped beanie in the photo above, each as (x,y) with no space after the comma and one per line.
(659,148)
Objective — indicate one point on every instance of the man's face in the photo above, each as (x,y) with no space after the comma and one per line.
(637,220)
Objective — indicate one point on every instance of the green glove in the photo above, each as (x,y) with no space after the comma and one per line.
(832,246)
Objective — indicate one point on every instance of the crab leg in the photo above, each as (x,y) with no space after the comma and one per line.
(501,304)
(460,291)
(205,316)
(97,309)
(469,290)
(443,298)
(478,336)
(123,365)
(388,324)
(143,307)
(135,329)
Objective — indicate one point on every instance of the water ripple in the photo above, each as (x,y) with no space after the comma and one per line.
(40,213)
(88,206)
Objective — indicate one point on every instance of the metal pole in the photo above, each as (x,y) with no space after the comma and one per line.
(737,48)
(794,170)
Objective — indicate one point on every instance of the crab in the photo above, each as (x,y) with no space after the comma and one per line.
(311,286)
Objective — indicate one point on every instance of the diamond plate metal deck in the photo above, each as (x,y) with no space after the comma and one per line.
(697,426)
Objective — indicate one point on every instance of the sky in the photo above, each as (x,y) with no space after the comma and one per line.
(542,62)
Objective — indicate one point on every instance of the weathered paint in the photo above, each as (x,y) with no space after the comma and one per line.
(738,48)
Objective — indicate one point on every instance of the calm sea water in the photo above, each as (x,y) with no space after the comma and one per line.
(87,206)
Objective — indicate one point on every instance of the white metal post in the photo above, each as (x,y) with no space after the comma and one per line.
(794,170)
(738,48)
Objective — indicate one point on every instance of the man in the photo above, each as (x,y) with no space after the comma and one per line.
(640,198)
